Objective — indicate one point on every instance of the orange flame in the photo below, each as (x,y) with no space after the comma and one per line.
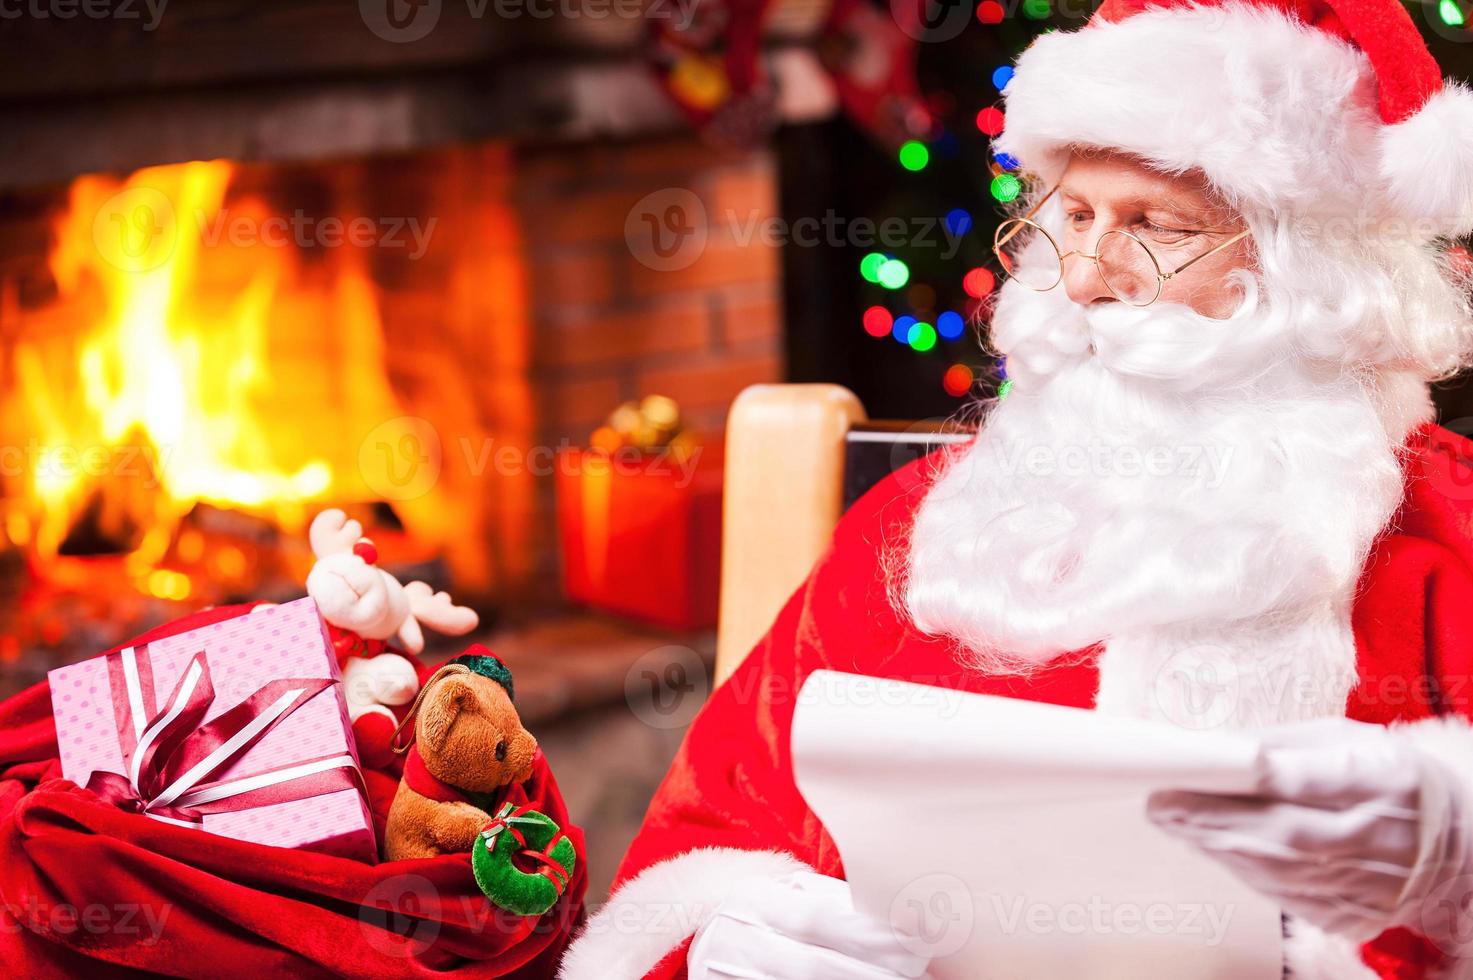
(158,388)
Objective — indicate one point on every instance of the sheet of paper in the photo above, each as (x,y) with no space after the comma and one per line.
(1010,838)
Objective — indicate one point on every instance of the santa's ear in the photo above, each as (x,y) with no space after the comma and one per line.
(442,706)
(332,533)
(437,611)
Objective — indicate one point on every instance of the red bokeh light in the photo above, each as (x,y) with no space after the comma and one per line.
(957,380)
(990,120)
(878,321)
(979,282)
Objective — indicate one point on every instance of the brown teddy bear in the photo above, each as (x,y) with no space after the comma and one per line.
(467,744)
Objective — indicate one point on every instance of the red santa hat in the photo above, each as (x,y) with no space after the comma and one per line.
(1314,107)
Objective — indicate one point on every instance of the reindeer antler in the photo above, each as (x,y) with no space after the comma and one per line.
(438,611)
(332,533)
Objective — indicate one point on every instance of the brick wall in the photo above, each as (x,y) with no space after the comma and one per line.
(606,326)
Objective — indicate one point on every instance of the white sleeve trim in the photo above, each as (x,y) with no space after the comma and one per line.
(660,908)
(1449,740)
(1313,954)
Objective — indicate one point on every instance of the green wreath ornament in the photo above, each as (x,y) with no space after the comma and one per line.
(534,837)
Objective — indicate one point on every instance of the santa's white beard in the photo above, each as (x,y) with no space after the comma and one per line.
(1183,490)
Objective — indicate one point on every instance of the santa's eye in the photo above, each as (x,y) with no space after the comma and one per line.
(1080,219)
(1165,235)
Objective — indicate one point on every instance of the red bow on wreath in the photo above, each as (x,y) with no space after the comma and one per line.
(506,821)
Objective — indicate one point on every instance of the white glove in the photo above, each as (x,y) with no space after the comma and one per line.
(800,926)
(1352,829)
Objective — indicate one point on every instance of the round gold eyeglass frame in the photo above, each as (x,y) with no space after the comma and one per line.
(1013,227)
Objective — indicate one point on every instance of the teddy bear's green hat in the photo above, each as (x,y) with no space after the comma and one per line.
(480,661)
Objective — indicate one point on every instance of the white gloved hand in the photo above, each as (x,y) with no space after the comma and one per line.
(800,926)
(1352,828)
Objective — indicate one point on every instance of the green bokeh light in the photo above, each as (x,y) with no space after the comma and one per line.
(869,266)
(894,274)
(914,156)
(922,336)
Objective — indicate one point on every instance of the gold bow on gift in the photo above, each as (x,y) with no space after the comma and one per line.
(649,425)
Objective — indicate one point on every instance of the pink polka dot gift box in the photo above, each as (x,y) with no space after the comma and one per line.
(239,728)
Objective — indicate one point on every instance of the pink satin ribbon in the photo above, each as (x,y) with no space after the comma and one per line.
(171,754)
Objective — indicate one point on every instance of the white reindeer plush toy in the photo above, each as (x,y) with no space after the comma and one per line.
(356,596)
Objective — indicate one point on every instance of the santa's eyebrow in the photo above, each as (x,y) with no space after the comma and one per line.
(1142,202)
(1199,213)
(1202,214)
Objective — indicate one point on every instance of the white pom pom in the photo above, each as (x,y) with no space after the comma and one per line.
(1427,164)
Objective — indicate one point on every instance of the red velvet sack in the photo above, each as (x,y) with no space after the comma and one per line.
(88,889)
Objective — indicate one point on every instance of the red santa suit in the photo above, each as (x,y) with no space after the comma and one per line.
(729,808)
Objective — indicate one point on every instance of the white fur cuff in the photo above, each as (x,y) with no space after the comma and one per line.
(660,908)
(1449,740)
(1312,954)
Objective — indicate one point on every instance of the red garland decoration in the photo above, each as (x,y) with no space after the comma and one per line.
(708,62)
(871,56)
(710,65)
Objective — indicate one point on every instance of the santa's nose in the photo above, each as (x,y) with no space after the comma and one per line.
(1083,282)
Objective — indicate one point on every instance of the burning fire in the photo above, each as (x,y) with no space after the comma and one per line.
(155,385)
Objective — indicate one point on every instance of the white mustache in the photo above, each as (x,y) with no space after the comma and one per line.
(1166,343)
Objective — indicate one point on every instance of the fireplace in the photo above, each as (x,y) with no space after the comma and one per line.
(197,356)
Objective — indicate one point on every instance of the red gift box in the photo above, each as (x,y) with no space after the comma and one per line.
(640,533)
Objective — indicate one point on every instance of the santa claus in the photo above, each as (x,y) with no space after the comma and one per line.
(1213,497)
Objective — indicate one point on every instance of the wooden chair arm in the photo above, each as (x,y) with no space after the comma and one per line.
(783,495)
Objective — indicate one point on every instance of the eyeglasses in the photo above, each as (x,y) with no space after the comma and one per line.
(1127,267)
